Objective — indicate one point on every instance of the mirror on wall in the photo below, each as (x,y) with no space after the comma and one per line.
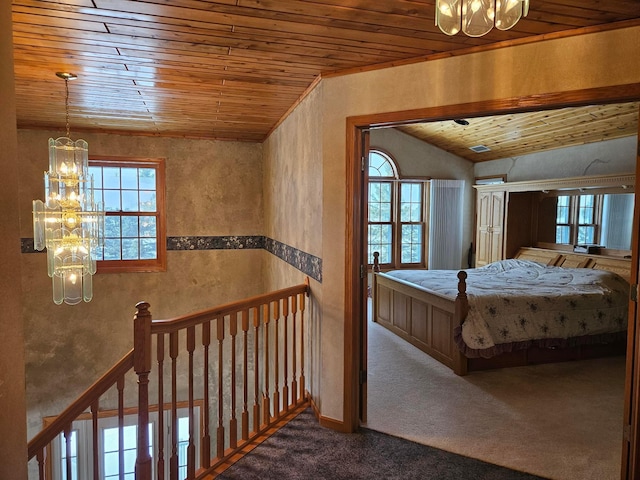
(603,219)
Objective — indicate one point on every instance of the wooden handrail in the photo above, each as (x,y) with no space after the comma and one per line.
(90,395)
(265,311)
(196,318)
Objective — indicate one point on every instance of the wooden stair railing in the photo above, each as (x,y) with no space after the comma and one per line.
(194,360)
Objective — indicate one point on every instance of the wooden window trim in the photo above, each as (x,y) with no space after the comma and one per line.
(574,218)
(138,266)
(396,223)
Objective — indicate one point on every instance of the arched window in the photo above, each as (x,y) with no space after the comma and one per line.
(396,215)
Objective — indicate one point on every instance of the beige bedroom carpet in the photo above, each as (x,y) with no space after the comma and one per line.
(560,421)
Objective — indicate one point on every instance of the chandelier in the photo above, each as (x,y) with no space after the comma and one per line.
(69,223)
(477,17)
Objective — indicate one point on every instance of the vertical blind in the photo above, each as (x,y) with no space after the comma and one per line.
(445,224)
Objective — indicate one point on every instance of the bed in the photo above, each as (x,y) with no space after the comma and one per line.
(541,306)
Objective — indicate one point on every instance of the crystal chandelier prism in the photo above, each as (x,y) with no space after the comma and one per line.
(477,17)
(69,223)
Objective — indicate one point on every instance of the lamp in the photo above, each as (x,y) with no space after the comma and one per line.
(69,223)
(477,17)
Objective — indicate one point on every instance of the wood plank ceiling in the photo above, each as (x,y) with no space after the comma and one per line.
(508,136)
(229,69)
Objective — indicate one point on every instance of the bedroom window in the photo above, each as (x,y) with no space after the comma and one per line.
(396,215)
(578,218)
(133,195)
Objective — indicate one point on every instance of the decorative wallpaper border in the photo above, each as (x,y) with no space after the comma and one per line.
(305,262)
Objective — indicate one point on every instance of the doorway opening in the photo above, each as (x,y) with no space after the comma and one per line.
(358,141)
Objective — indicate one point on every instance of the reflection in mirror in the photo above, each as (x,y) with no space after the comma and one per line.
(593,219)
(617,221)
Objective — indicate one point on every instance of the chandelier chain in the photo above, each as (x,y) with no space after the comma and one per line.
(66,104)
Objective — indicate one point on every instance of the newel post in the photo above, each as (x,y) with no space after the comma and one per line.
(142,367)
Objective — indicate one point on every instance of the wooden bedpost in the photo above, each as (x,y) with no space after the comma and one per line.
(373,286)
(461,310)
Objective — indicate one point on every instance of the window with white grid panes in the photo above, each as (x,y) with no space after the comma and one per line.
(578,218)
(132,192)
(80,445)
(396,218)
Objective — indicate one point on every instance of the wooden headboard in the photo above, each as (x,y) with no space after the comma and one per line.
(557,258)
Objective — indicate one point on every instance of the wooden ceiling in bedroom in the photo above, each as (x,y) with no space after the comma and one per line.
(231,69)
(507,136)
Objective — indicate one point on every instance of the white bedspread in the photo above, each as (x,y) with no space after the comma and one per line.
(514,301)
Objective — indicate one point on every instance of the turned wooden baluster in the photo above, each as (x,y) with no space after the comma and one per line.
(67,446)
(120,387)
(173,354)
(285,386)
(233,422)
(160,362)
(220,430)
(205,446)
(95,406)
(302,379)
(245,376)
(256,369)
(265,396)
(294,381)
(276,390)
(142,367)
(191,447)
(40,456)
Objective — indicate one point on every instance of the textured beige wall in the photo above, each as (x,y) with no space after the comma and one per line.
(212,188)
(596,60)
(293,204)
(13,433)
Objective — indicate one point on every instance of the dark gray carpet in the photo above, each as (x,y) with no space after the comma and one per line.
(304,450)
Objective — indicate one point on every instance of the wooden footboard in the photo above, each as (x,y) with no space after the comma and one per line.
(426,320)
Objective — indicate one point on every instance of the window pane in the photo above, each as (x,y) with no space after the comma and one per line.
(111,177)
(563,209)
(97,176)
(112,226)
(586,209)
(130,249)
(379,239)
(130,201)
(374,212)
(410,202)
(147,178)
(111,463)
(379,202)
(562,234)
(129,226)
(112,201)
(147,226)
(586,234)
(385,192)
(147,201)
(385,212)
(129,178)
(379,165)
(112,249)
(411,245)
(148,248)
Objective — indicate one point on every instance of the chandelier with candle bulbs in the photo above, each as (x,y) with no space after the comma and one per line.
(69,223)
(477,17)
